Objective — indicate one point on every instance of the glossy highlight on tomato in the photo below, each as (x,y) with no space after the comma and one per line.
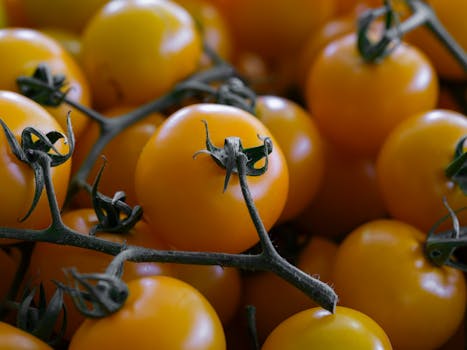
(134,66)
(22,50)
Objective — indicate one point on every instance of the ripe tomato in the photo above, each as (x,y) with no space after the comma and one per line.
(15,338)
(353,101)
(299,139)
(161,312)
(348,195)
(121,154)
(410,168)
(254,22)
(87,261)
(222,286)
(65,14)
(134,51)
(319,329)
(264,290)
(329,31)
(21,50)
(182,197)
(214,28)
(450,13)
(380,269)
(70,41)
(18,185)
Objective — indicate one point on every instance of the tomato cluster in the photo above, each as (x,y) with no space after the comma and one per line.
(345,160)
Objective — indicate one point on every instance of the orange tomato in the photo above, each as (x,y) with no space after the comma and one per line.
(381,270)
(214,28)
(319,329)
(348,195)
(352,100)
(15,338)
(222,286)
(121,155)
(160,312)
(183,198)
(255,22)
(135,51)
(410,168)
(263,290)
(299,139)
(64,14)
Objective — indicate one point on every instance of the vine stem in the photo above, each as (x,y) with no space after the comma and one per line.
(268,260)
(423,14)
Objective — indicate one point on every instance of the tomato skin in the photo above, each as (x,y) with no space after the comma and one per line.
(162,47)
(352,101)
(348,196)
(254,22)
(222,286)
(299,139)
(380,269)
(15,338)
(19,112)
(450,13)
(65,14)
(317,328)
(160,312)
(121,155)
(263,290)
(214,28)
(410,168)
(21,50)
(212,220)
(329,31)
(88,261)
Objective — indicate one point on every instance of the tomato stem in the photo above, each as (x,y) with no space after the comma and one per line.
(394,30)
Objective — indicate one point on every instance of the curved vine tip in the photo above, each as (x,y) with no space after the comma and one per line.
(95,295)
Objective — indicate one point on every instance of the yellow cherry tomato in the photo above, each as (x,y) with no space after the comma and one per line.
(300,141)
(410,169)
(135,51)
(161,312)
(319,329)
(381,270)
